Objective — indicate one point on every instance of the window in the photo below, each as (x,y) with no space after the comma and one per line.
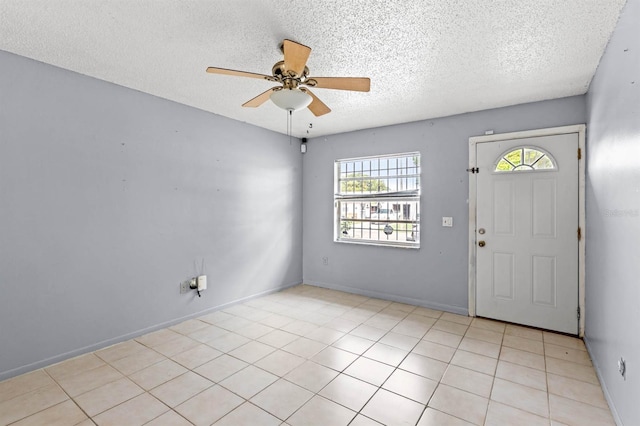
(377,200)
(525,159)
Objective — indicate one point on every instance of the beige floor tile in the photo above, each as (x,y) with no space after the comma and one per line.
(499,415)
(220,368)
(586,373)
(412,328)
(254,331)
(178,390)
(120,350)
(136,362)
(30,403)
(391,409)
(412,386)
(488,324)
(443,338)
(522,397)
(577,390)
(282,398)
(196,356)
(520,374)
(299,327)
(382,321)
(170,418)
(209,406)
(280,362)
(342,324)
(484,335)
(369,370)
(176,346)
(399,341)
(189,326)
(252,351)
(248,414)
(348,391)
(136,411)
(63,414)
(208,333)
(460,319)
(361,420)
(575,413)
(368,332)
(527,359)
(334,358)
(278,338)
(228,342)
(303,347)
(84,381)
(567,354)
(526,332)
(386,354)
(159,337)
(424,366)
(353,344)
(319,411)
(480,347)
(450,327)
(248,382)
(276,320)
(475,362)
(468,380)
(523,344)
(565,341)
(215,317)
(108,396)
(157,374)
(427,312)
(234,323)
(325,335)
(458,403)
(311,376)
(432,417)
(74,366)
(434,350)
(24,383)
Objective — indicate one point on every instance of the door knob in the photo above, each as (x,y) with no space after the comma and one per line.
(481,243)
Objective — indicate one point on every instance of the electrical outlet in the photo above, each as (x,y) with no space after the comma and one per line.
(447,221)
(325,261)
(184,287)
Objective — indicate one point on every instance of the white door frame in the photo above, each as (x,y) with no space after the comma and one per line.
(580,129)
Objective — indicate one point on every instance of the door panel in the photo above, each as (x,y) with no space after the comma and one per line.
(527,270)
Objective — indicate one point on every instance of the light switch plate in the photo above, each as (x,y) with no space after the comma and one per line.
(447,221)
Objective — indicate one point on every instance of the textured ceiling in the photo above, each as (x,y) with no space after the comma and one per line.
(426,59)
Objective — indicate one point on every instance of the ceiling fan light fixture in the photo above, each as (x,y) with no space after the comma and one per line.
(291,99)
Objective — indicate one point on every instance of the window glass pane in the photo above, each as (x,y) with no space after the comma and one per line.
(544,163)
(523,159)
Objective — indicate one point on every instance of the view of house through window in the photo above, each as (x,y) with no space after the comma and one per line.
(377,200)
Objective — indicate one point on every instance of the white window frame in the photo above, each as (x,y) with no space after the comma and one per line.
(370,229)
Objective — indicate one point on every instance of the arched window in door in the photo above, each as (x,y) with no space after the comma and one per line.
(525,158)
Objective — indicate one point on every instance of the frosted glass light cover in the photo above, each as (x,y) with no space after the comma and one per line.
(291,99)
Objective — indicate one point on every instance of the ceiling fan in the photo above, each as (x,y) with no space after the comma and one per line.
(292,73)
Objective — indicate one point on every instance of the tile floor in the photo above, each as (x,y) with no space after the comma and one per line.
(311,356)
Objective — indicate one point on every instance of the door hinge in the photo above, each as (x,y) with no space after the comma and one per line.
(473,170)
(579,153)
(579,234)
(578,312)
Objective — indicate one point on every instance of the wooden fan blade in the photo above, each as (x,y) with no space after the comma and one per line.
(295,56)
(260,99)
(317,107)
(358,84)
(224,71)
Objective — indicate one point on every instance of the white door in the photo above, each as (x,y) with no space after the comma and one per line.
(527,231)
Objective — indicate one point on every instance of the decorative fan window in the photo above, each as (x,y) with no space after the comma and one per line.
(525,159)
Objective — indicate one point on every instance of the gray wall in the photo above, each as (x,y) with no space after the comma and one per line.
(436,275)
(109,198)
(613,217)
